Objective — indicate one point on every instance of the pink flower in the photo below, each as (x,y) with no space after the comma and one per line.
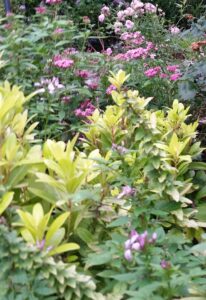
(92,83)
(121,15)
(173,68)
(129,24)
(108,51)
(129,12)
(40,10)
(163,75)
(58,31)
(53,1)
(128,255)
(136,4)
(61,62)
(70,51)
(174,30)
(105,11)
(86,109)
(150,8)
(110,89)
(175,76)
(101,18)
(152,72)
(83,73)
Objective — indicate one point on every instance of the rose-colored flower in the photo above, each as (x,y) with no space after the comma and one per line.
(40,10)
(110,89)
(101,18)
(61,62)
(129,24)
(175,76)
(173,68)
(105,11)
(53,2)
(58,31)
(174,30)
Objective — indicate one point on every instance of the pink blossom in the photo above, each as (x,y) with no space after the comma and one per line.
(175,76)
(129,24)
(40,10)
(58,31)
(136,4)
(129,12)
(101,18)
(163,75)
(61,62)
(173,68)
(105,11)
(53,2)
(150,8)
(121,15)
(110,89)
(83,73)
(108,51)
(86,109)
(70,51)
(174,30)
(92,83)
(152,72)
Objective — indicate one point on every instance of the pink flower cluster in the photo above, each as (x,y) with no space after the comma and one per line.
(174,30)
(93,82)
(53,2)
(135,10)
(135,38)
(136,53)
(110,89)
(70,51)
(105,12)
(50,84)
(58,31)
(86,109)
(83,73)
(40,10)
(62,62)
(152,72)
(137,242)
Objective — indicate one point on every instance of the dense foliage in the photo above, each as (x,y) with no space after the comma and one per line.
(102,178)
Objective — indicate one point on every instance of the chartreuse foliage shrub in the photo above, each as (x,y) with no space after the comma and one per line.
(138,169)
(29,274)
(156,151)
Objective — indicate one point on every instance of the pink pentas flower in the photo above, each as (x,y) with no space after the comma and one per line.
(138,242)
(110,89)
(128,12)
(129,24)
(92,83)
(163,75)
(86,109)
(58,31)
(40,10)
(62,62)
(105,11)
(174,30)
(175,76)
(173,68)
(53,1)
(83,73)
(150,8)
(70,51)
(152,72)
(101,18)
(108,51)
